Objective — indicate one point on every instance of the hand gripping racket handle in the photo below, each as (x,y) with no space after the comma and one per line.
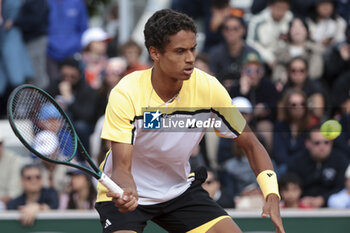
(110,185)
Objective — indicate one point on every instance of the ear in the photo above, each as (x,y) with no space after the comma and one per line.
(154,53)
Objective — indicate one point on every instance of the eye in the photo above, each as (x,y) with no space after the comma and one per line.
(180,51)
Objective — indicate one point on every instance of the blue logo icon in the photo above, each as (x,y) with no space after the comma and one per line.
(151,120)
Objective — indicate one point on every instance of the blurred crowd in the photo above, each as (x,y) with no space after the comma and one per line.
(286,65)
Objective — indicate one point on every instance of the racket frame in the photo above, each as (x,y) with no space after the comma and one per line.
(97,173)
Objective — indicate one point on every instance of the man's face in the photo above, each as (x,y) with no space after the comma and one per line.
(177,60)
(298,32)
(318,146)
(278,10)
(298,72)
(51,124)
(98,48)
(233,31)
(325,9)
(132,55)
(254,72)
(70,74)
(296,106)
(32,180)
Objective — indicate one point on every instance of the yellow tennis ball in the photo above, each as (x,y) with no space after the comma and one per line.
(331,129)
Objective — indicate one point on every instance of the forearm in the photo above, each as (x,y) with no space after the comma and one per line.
(259,159)
(123,178)
(260,162)
(122,162)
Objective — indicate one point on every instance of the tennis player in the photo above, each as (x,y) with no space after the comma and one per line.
(152,166)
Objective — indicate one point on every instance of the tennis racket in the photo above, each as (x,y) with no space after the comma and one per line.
(45,130)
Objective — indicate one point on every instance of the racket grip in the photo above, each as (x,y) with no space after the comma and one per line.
(110,184)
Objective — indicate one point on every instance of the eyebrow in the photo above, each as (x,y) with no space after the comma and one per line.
(185,48)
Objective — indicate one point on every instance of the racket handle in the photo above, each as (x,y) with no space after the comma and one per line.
(110,184)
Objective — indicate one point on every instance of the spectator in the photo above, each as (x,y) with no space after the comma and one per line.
(320,168)
(325,25)
(343,9)
(228,55)
(250,198)
(202,62)
(290,190)
(261,93)
(300,8)
(269,28)
(213,187)
(76,97)
(49,142)
(50,126)
(35,197)
(81,194)
(289,132)
(112,25)
(341,200)
(298,78)
(235,174)
(132,53)
(54,176)
(94,55)
(341,95)
(68,20)
(15,64)
(337,62)
(212,12)
(219,10)
(33,22)
(112,75)
(10,166)
(298,44)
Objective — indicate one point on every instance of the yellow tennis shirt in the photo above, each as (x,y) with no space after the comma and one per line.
(164,134)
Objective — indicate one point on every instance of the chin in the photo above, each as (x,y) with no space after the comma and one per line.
(187,77)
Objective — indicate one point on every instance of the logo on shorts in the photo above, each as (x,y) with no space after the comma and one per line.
(107,223)
(151,120)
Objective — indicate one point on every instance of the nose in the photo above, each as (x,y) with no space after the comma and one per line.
(190,57)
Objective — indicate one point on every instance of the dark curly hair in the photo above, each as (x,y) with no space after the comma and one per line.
(163,24)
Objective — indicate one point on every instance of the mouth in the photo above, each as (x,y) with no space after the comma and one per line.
(188,71)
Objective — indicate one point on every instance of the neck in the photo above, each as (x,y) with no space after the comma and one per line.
(235,48)
(165,86)
(298,43)
(83,194)
(294,128)
(32,197)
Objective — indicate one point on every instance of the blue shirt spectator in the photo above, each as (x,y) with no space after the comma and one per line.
(68,20)
(15,64)
(48,196)
(35,197)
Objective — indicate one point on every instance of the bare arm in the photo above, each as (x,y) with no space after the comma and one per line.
(259,161)
(258,158)
(121,174)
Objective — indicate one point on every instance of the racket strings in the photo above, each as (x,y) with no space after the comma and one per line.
(42,125)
